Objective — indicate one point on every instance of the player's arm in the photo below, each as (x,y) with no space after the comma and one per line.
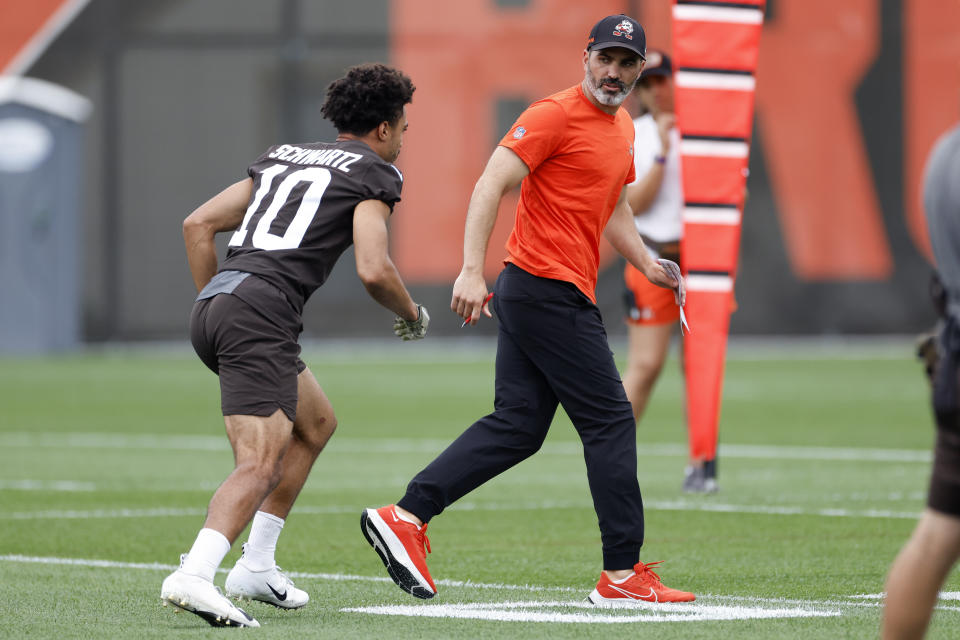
(622,234)
(642,193)
(222,212)
(504,171)
(374,266)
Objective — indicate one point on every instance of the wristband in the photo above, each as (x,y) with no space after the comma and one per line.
(661,159)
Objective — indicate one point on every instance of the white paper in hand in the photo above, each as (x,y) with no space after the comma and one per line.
(683,323)
(680,293)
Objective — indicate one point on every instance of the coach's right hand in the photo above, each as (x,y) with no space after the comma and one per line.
(469,296)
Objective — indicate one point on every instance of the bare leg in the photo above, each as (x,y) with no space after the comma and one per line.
(312,429)
(917,575)
(647,351)
(258,445)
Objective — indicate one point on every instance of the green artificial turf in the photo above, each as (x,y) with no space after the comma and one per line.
(113,455)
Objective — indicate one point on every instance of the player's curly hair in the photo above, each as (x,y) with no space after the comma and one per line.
(366,96)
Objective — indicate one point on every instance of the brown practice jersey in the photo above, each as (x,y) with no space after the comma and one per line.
(300,217)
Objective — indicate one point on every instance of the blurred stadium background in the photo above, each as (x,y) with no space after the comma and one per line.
(118,118)
(185,93)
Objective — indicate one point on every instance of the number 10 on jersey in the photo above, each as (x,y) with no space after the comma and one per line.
(263,238)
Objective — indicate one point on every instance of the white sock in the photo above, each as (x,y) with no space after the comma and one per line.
(405,518)
(206,554)
(258,555)
(622,580)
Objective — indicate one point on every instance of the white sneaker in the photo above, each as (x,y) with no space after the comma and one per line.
(196,595)
(270,585)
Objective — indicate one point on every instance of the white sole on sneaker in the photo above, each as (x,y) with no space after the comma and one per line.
(216,614)
(394,556)
(597,599)
(212,618)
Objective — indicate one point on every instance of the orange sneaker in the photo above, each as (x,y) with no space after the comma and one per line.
(644,585)
(400,545)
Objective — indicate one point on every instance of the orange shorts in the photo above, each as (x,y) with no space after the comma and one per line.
(646,302)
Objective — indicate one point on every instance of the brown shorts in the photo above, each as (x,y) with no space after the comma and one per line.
(945,480)
(249,338)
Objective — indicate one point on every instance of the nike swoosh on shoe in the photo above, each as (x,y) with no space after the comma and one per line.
(650,597)
(280,596)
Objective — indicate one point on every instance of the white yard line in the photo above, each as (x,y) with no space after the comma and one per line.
(944,595)
(784,510)
(47,485)
(336,577)
(558,612)
(653,505)
(482,349)
(95,514)
(31,440)
(119,485)
(83,562)
(84,486)
(707,606)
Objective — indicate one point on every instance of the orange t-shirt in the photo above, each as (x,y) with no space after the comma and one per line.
(580,158)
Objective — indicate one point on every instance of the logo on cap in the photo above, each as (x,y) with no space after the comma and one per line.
(624,29)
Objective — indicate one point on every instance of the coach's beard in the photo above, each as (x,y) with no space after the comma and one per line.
(605,98)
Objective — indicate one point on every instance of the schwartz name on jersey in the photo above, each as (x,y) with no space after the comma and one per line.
(300,216)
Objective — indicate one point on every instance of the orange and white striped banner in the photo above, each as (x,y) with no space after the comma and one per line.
(715,46)
(28,27)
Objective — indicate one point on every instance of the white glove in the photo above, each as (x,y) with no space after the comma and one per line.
(412,329)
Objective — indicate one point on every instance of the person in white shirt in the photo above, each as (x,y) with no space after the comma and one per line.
(656,198)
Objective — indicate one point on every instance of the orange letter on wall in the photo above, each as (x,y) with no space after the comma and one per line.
(931,82)
(813,55)
(27,28)
(462,56)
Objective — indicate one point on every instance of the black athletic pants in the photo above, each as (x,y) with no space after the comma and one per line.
(552,348)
